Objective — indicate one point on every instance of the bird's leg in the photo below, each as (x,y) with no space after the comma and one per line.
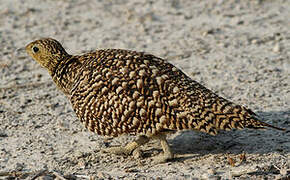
(167,153)
(129,148)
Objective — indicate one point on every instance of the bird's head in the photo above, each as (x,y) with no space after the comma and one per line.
(47,52)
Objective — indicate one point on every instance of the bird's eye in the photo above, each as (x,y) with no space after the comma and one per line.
(35,49)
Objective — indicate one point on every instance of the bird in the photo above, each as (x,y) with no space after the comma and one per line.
(116,91)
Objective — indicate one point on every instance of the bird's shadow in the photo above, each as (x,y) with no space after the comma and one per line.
(250,141)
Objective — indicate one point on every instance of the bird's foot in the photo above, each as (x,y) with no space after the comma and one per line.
(163,158)
(167,153)
(129,148)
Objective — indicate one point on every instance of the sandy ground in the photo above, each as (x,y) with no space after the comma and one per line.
(239,49)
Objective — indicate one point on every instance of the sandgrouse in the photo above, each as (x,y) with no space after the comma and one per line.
(115,92)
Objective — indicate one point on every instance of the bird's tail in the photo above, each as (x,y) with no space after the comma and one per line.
(232,116)
(257,124)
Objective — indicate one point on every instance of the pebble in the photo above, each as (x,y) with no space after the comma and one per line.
(277,48)
(254,41)
(211,171)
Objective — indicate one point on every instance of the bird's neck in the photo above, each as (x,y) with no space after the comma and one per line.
(65,73)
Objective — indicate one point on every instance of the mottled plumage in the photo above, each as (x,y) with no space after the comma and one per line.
(116,92)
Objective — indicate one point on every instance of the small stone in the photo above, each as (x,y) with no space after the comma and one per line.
(277,48)
(211,171)
(254,41)
(210,31)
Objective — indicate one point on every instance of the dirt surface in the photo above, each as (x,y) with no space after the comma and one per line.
(239,49)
